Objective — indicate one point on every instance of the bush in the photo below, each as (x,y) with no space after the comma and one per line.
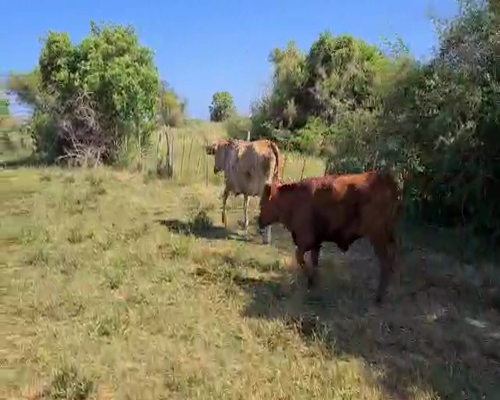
(310,138)
(222,107)
(171,109)
(352,144)
(91,97)
(435,124)
(42,128)
(238,127)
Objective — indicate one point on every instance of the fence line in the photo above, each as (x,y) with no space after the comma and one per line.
(179,154)
(186,158)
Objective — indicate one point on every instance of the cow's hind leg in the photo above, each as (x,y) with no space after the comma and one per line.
(385,249)
(315,258)
(309,272)
(225,195)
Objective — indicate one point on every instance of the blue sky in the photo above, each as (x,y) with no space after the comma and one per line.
(206,46)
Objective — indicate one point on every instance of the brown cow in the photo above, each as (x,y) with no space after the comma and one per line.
(338,209)
(247,167)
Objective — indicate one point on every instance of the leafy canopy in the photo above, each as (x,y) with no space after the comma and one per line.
(110,64)
(222,106)
(171,108)
(110,70)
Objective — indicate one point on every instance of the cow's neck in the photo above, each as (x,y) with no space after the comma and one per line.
(285,209)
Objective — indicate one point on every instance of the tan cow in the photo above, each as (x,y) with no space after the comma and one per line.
(248,167)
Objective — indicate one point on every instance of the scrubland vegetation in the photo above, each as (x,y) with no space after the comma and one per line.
(119,281)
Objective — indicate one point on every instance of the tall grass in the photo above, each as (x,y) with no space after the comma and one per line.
(183,149)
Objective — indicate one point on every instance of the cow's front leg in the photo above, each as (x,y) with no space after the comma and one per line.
(225,195)
(245,211)
(266,235)
(385,249)
(299,255)
(315,260)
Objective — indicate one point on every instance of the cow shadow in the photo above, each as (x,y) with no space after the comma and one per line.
(440,340)
(206,232)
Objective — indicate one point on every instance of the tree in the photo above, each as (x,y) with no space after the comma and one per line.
(97,94)
(440,123)
(222,106)
(338,82)
(171,109)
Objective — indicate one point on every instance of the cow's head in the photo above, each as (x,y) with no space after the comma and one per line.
(269,209)
(210,149)
(219,150)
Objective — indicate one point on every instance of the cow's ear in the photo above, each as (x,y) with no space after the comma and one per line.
(210,149)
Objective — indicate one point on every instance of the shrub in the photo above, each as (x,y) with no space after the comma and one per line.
(238,127)
(222,106)
(89,98)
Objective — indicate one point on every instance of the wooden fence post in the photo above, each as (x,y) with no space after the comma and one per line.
(189,152)
(182,156)
(206,169)
(303,168)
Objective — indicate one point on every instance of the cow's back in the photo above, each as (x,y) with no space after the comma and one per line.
(342,208)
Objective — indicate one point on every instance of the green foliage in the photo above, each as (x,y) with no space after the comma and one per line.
(42,128)
(4,108)
(343,70)
(311,92)
(110,63)
(222,106)
(238,127)
(434,124)
(309,139)
(171,109)
(93,95)
(442,120)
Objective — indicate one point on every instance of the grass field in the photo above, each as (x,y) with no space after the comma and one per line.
(116,284)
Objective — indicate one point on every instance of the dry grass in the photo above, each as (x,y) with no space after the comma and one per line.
(117,286)
(192,164)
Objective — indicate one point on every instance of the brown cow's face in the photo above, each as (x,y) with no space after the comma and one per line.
(220,158)
(268,206)
(217,149)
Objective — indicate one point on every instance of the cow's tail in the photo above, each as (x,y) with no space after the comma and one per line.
(277,165)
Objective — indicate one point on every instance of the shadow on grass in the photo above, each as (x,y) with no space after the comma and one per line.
(212,232)
(441,340)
